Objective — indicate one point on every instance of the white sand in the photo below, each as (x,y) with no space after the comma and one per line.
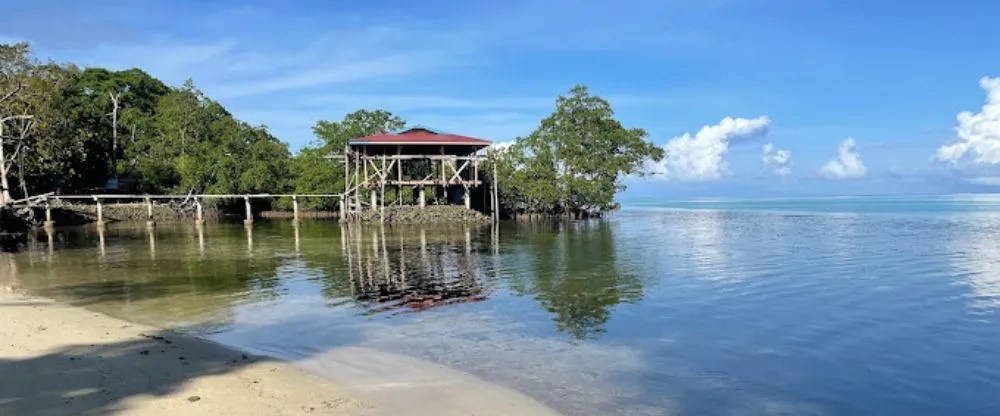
(62,360)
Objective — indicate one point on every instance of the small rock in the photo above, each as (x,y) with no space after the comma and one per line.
(193,399)
(144,352)
(180,358)
(245,357)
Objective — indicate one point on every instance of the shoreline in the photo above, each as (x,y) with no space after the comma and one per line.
(60,359)
(63,360)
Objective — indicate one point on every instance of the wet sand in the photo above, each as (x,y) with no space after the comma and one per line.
(61,360)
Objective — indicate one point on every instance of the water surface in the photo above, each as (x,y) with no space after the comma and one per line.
(844,309)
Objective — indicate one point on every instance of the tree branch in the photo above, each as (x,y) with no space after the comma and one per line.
(11,93)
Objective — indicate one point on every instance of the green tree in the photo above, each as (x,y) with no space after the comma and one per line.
(575,161)
(313,173)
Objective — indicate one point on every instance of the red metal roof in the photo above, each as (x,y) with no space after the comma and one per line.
(421,136)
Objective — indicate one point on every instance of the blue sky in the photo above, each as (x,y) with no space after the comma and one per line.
(801,75)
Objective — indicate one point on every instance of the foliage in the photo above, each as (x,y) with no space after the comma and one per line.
(575,161)
(314,174)
(158,139)
(78,130)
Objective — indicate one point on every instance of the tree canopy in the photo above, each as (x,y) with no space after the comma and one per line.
(575,161)
(70,129)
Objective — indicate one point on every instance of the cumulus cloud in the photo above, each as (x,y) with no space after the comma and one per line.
(978,134)
(777,160)
(702,157)
(847,164)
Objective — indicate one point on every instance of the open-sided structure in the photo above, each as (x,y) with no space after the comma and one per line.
(416,164)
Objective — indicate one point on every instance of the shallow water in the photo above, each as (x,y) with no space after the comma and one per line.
(740,311)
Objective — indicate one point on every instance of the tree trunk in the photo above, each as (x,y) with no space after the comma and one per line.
(5,195)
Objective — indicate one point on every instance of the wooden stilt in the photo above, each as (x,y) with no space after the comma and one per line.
(422,199)
(149,213)
(382,176)
(496,203)
(48,215)
(249,220)
(295,208)
(100,212)
(199,219)
(341,213)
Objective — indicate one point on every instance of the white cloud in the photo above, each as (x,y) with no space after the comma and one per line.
(777,160)
(978,133)
(847,164)
(701,157)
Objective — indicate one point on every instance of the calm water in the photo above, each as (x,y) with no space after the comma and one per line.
(836,306)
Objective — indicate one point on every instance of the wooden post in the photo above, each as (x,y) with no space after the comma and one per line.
(444,185)
(246,202)
(399,177)
(100,212)
(295,208)
(342,209)
(374,199)
(199,218)
(382,192)
(48,215)
(423,201)
(149,213)
(496,202)
(467,198)
(357,183)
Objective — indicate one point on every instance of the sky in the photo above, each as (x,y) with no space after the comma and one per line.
(748,98)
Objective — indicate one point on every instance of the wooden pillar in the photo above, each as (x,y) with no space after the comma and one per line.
(249,219)
(100,212)
(423,201)
(149,213)
(374,199)
(382,177)
(295,208)
(444,182)
(467,198)
(496,202)
(48,215)
(342,209)
(199,218)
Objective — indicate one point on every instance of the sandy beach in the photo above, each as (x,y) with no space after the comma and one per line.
(62,360)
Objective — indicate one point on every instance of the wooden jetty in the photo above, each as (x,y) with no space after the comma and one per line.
(417,159)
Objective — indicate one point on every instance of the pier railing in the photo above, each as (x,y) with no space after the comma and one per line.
(99,199)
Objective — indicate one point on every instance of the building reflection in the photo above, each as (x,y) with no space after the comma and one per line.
(406,271)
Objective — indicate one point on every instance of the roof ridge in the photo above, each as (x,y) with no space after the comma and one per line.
(421,127)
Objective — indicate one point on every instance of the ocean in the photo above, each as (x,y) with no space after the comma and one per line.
(825,306)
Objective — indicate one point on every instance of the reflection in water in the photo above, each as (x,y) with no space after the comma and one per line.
(102,242)
(643,314)
(404,278)
(151,231)
(975,254)
(200,229)
(576,274)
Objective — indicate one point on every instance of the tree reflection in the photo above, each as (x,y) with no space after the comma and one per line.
(155,276)
(576,276)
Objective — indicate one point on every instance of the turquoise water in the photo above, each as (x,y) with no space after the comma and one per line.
(847,204)
(838,306)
